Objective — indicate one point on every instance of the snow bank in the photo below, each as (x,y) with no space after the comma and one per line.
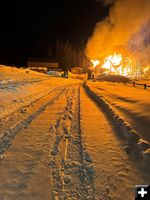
(134,144)
(132,103)
(113,78)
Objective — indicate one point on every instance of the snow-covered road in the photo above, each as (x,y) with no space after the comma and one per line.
(115,172)
(62,146)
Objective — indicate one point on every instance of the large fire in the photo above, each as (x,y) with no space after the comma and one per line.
(116,64)
(112,61)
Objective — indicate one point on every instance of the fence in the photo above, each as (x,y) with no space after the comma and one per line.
(139,84)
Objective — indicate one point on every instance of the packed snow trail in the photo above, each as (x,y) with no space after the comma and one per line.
(63,147)
(72,176)
(46,159)
(24,167)
(115,172)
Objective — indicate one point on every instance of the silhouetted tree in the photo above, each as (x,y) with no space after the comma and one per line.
(70,56)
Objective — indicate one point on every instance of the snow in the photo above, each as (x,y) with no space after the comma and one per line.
(62,139)
(18,88)
(132,103)
(114,173)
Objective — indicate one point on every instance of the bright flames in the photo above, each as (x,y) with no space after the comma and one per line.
(95,62)
(116,64)
(112,61)
(113,65)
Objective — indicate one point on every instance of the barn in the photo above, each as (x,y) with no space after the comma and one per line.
(44,64)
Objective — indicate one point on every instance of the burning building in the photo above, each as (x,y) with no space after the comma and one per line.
(121,42)
(116,64)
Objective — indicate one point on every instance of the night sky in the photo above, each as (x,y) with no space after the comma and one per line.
(28,29)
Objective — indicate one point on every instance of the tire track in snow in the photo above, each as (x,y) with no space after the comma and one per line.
(34,109)
(8,120)
(24,168)
(115,173)
(72,173)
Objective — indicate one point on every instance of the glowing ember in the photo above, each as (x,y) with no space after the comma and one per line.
(95,62)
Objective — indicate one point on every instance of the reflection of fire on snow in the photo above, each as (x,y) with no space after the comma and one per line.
(117,65)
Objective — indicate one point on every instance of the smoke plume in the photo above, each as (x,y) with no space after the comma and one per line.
(126,30)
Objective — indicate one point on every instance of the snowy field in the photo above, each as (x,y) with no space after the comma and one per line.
(20,87)
(70,140)
(132,103)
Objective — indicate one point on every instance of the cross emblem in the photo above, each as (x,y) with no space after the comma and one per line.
(142,192)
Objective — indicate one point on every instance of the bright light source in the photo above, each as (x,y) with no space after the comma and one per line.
(95,62)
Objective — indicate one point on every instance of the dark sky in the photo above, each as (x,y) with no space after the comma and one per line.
(28,29)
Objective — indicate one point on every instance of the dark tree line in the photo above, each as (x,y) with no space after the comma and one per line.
(68,56)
